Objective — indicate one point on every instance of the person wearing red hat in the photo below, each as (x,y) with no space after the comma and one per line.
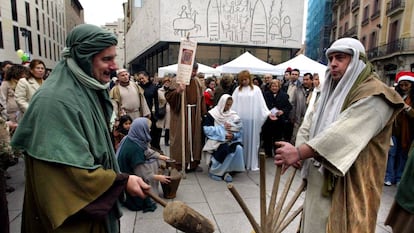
(401,215)
(402,136)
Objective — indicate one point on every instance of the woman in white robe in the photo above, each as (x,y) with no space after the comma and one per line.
(249,103)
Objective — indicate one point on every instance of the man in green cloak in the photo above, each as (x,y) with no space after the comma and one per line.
(72,178)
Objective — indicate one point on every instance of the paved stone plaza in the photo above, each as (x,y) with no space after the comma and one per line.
(210,198)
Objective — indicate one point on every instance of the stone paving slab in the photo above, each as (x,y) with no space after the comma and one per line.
(209,197)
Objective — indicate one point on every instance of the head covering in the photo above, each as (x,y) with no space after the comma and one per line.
(334,93)
(218,113)
(85,41)
(121,70)
(77,132)
(82,44)
(346,45)
(140,132)
(404,76)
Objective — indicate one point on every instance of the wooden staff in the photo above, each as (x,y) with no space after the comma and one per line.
(282,199)
(289,220)
(273,197)
(263,224)
(290,205)
(183,133)
(246,210)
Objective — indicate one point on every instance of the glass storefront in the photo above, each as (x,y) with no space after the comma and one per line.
(211,55)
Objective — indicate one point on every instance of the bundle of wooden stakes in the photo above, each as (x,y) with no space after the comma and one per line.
(276,218)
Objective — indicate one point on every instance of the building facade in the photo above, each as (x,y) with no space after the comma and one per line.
(385,27)
(269,29)
(38,27)
(117,28)
(318,29)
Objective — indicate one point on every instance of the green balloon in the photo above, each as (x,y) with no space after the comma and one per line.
(25,57)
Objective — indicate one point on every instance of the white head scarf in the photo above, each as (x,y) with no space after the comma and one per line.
(333,97)
(218,113)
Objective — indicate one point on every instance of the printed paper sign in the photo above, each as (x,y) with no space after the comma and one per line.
(186,58)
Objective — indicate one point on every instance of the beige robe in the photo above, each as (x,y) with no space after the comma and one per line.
(354,149)
(194,95)
(123,98)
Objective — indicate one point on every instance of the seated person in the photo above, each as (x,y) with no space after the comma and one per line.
(136,157)
(223,148)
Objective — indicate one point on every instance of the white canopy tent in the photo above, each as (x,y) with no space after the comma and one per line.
(304,64)
(247,61)
(172,69)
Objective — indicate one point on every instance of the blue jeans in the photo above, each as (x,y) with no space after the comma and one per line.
(390,173)
(397,159)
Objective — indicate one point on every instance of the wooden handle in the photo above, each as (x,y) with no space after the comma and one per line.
(246,210)
(156,198)
(263,225)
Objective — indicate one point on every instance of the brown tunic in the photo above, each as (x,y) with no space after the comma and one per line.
(193,96)
(61,198)
(356,197)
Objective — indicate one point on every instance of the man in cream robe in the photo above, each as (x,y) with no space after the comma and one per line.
(344,144)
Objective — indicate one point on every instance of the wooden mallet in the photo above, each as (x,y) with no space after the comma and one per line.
(183,217)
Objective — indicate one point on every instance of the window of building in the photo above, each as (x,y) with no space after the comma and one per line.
(16,35)
(364,41)
(43,4)
(373,40)
(48,26)
(52,10)
(393,31)
(1,36)
(54,51)
(355,22)
(27,6)
(37,19)
(346,26)
(211,54)
(228,53)
(365,17)
(165,60)
(56,14)
(277,56)
(50,49)
(366,13)
(39,45)
(29,41)
(45,46)
(53,31)
(376,5)
(43,22)
(13,10)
